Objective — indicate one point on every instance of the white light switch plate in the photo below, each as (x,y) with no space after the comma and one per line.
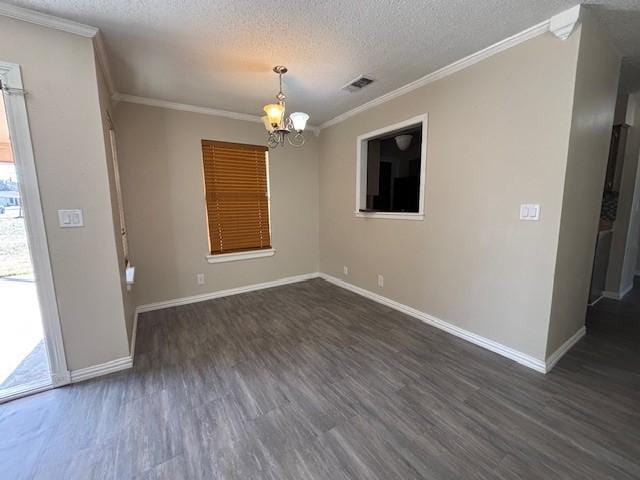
(529,211)
(70,218)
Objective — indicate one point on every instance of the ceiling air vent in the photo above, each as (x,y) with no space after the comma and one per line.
(357,84)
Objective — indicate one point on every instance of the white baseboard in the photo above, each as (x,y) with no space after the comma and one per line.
(101,369)
(618,295)
(224,293)
(564,348)
(134,335)
(521,358)
(592,304)
(112,366)
(626,290)
(13,393)
(515,355)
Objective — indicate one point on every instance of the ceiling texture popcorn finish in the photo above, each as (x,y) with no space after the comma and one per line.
(215,53)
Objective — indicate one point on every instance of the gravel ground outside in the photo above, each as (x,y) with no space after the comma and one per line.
(14,251)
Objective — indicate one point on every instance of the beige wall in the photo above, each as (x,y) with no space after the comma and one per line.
(624,246)
(60,77)
(620,114)
(502,132)
(498,137)
(632,200)
(161,165)
(128,297)
(594,102)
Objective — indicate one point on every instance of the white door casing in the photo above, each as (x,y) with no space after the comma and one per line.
(18,123)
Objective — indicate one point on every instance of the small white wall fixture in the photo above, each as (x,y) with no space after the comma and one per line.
(18,123)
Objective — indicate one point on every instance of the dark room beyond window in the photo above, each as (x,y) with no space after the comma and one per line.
(393,171)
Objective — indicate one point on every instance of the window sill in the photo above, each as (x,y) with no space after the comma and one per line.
(390,215)
(232,257)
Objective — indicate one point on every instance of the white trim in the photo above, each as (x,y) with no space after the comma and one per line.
(101,369)
(595,301)
(23,390)
(390,215)
(45,20)
(361,166)
(184,107)
(618,295)
(225,293)
(267,166)
(124,241)
(564,348)
(519,357)
(18,124)
(562,24)
(454,67)
(235,256)
(153,102)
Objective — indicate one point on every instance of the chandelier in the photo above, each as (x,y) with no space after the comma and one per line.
(280,127)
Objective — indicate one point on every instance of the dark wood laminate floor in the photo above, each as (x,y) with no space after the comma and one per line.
(310,381)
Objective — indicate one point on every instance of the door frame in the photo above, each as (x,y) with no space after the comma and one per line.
(18,123)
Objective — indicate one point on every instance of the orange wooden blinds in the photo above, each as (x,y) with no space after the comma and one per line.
(235,179)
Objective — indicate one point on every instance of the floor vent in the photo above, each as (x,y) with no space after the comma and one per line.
(358,84)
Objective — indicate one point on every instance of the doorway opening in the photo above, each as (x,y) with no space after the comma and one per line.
(617,253)
(23,357)
(31,350)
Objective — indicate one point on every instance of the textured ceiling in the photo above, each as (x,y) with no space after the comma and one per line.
(219,53)
(622,20)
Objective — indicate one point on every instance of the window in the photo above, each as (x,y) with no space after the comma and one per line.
(116,176)
(391,171)
(237,200)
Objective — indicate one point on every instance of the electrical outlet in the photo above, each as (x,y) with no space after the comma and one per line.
(346,270)
(200,278)
(380,281)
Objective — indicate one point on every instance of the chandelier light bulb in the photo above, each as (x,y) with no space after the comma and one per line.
(275,113)
(299,121)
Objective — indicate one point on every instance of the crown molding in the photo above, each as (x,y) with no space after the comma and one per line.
(184,107)
(452,68)
(45,20)
(562,24)
(69,26)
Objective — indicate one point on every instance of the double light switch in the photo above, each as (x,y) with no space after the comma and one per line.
(70,218)
(530,211)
